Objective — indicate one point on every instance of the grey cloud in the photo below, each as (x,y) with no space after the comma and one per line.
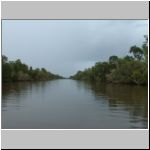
(65,46)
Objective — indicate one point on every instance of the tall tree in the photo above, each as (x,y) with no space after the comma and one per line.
(114,60)
(137,52)
(145,48)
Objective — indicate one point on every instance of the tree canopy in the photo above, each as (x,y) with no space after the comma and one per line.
(131,69)
(18,71)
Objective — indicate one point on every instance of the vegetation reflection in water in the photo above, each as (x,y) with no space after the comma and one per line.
(102,104)
(130,98)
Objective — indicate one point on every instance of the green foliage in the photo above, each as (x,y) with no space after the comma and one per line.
(113,59)
(127,70)
(137,52)
(18,71)
(145,48)
(128,58)
(139,74)
(4,59)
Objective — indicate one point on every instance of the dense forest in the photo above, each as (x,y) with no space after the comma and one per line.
(131,69)
(18,71)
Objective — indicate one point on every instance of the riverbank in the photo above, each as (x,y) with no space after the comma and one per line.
(18,71)
(131,69)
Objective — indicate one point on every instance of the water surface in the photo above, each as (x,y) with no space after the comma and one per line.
(70,104)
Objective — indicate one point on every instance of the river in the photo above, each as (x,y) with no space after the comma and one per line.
(70,104)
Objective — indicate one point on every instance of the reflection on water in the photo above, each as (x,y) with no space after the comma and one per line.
(130,98)
(73,104)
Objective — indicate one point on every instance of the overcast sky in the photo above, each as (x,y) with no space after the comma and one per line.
(66,46)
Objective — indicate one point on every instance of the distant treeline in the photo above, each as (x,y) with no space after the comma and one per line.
(18,71)
(130,69)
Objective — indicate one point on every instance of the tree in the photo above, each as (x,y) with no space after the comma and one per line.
(18,71)
(6,69)
(4,59)
(145,48)
(128,58)
(126,70)
(114,61)
(139,73)
(137,52)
